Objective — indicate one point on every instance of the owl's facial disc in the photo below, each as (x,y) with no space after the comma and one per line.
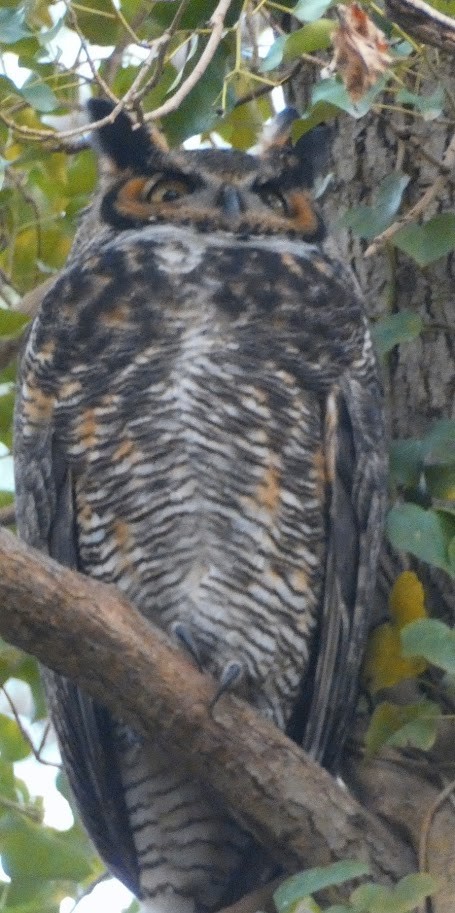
(248,206)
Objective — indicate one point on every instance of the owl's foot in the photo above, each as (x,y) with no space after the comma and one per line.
(231,675)
(187,641)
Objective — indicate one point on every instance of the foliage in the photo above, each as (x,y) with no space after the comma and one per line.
(293,896)
(384,665)
(43,865)
(146,54)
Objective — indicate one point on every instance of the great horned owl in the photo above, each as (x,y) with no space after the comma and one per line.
(200,422)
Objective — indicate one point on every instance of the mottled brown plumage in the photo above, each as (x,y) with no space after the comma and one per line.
(200,422)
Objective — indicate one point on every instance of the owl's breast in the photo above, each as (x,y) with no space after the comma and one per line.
(189,389)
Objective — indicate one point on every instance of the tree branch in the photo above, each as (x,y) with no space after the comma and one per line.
(87,631)
(423,22)
(217,25)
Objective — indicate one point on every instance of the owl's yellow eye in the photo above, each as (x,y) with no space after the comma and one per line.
(274,200)
(166,190)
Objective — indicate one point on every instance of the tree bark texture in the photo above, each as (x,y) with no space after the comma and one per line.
(419,375)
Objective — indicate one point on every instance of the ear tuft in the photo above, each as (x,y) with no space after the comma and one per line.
(312,151)
(278,133)
(301,164)
(125,147)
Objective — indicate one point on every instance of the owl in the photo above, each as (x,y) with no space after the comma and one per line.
(200,423)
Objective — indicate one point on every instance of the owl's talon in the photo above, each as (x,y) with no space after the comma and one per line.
(231,675)
(187,641)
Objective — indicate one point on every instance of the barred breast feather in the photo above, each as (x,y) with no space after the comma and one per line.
(193,413)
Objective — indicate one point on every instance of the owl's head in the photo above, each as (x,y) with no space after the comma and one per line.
(210,189)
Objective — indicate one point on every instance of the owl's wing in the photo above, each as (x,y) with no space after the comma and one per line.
(45,519)
(356,478)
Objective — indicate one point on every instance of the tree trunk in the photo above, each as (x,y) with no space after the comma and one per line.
(419,375)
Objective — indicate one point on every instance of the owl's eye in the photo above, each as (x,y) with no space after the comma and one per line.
(274,200)
(166,190)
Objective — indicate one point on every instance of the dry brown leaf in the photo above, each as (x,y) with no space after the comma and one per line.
(361,50)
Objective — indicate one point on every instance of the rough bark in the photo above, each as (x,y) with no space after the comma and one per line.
(419,375)
(89,632)
(420,386)
(405,791)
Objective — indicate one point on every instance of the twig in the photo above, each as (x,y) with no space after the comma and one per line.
(25,735)
(91,887)
(421,206)
(263,90)
(217,24)
(84,45)
(34,814)
(160,59)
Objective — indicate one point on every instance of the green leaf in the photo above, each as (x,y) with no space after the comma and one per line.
(312,880)
(406,462)
(403,898)
(81,174)
(7,781)
(315,36)
(332,91)
(63,786)
(369,221)
(11,322)
(444,6)
(432,639)
(39,95)
(400,726)
(319,113)
(196,14)
(339,908)
(430,106)
(439,444)
(133,907)
(427,534)
(242,126)
(45,37)
(429,242)
(6,418)
(6,498)
(12,26)
(198,112)
(434,456)
(25,896)
(13,746)
(391,331)
(30,849)
(274,56)
(15,664)
(440,482)
(309,10)
(98,22)
(27,670)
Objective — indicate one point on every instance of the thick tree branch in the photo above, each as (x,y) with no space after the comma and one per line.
(424,22)
(87,631)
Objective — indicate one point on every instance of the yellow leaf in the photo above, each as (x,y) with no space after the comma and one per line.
(384,666)
(407,600)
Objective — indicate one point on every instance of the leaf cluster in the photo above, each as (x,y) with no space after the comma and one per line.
(295,894)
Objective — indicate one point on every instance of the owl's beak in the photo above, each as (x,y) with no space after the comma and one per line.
(229,200)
